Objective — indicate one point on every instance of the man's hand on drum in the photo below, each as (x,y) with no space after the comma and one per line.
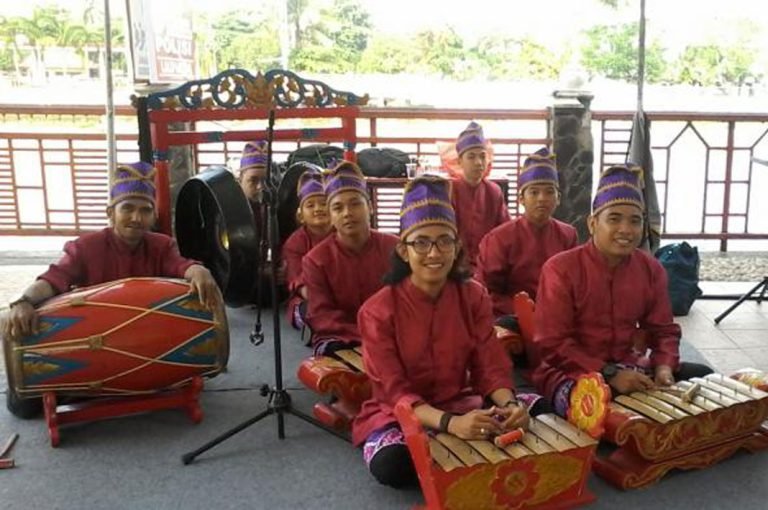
(477,424)
(663,375)
(512,417)
(201,281)
(628,380)
(20,320)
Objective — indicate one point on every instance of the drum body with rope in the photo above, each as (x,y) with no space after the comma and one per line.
(691,425)
(128,337)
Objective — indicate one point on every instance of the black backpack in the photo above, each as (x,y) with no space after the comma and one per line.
(322,155)
(386,162)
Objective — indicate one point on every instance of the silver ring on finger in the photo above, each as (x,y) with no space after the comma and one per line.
(482,432)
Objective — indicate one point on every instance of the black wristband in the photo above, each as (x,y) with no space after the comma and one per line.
(445,419)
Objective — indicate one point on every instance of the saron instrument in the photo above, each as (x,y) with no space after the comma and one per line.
(547,468)
(659,430)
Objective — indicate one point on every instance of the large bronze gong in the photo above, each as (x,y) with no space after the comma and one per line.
(214,224)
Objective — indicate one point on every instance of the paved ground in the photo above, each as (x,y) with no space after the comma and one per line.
(133,462)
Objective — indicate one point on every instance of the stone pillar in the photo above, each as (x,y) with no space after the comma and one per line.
(181,161)
(572,143)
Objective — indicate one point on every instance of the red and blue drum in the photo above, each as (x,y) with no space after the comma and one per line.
(126,337)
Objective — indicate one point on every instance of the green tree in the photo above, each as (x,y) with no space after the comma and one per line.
(10,30)
(611,51)
(245,39)
(710,64)
(335,42)
(513,58)
(387,54)
(440,51)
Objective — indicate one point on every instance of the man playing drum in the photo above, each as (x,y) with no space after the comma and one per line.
(594,300)
(511,255)
(428,340)
(127,248)
(346,268)
(479,204)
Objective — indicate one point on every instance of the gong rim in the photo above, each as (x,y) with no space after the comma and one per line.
(214,224)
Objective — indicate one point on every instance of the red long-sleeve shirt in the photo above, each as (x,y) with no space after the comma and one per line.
(478,210)
(298,244)
(102,256)
(339,281)
(511,256)
(421,350)
(587,314)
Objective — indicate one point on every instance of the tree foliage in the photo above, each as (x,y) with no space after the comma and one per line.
(710,64)
(611,51)
(337,36)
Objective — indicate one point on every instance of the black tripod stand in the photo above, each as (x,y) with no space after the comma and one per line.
(762,286)
(278,398)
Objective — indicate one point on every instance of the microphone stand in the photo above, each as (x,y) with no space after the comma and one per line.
(278,398)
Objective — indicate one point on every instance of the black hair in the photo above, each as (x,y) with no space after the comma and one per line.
(400,270)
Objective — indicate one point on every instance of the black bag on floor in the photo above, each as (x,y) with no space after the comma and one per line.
(322,155)
(386,162)
(681,260)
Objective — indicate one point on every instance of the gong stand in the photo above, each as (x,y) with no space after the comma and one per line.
(278,399)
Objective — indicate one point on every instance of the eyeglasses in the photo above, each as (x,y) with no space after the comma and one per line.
(423,245)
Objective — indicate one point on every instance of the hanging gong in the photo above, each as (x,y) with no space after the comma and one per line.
(214,224)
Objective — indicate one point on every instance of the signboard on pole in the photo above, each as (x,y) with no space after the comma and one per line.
(162,41)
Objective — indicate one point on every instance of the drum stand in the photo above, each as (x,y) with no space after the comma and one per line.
(762,287)
(278,398)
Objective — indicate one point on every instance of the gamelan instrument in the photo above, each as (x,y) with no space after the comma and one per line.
(547,468)
(342,378)
(690,425)
(214,224)
(127,338)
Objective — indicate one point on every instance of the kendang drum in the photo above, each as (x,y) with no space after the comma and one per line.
(127,337)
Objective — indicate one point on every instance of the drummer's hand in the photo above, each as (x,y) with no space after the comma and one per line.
(21,320)
(664,376)
(477,424)
(513,417)
(627,380)
(201,281)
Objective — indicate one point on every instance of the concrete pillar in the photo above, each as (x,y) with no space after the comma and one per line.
(572,143)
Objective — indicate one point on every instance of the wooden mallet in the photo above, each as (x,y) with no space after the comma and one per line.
(508,438)
(6,463)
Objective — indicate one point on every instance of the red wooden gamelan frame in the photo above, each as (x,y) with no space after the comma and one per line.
(235,95)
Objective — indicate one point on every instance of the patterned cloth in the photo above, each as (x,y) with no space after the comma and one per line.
(426,201)
(136,180)
(347,176)
(539,168)
(471,138)
(619,185)
(379,439)
(254,155)
(310,185)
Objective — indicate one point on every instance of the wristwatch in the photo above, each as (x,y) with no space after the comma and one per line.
(608,371)
(23,299)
